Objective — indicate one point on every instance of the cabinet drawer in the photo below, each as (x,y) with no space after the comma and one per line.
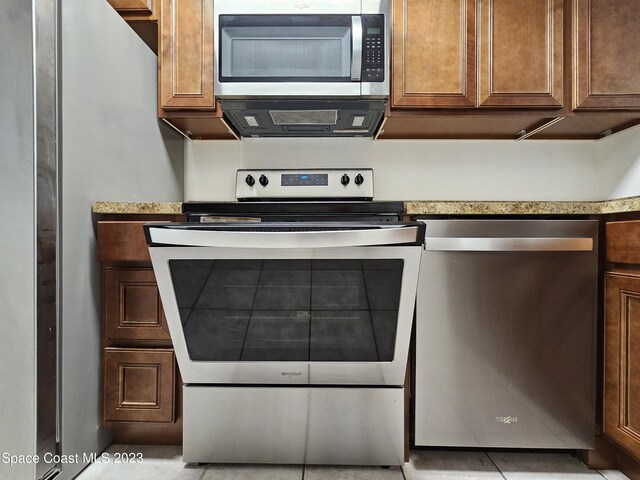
(122,242)
(139,385)
(133,310)
(623,242)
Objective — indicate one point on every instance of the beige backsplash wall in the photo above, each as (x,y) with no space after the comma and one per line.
(619,165)
(432,169)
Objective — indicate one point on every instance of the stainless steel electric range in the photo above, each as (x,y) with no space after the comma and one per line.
(290,312)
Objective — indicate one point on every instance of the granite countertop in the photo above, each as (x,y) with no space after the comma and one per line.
(501,208)
(630,204)
(171,208)
(421,207)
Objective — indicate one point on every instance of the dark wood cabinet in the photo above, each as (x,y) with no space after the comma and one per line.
(141,382)
(520,57)
(133,6)
(606,66)
(142,16)
(540,69)
(186,55)
(132,306)
(519,61)
(186,70)
(622,360)
(139,385)
(621,386)
(434,53)
(618,433)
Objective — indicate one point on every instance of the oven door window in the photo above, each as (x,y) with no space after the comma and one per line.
(285,48)
(289,310)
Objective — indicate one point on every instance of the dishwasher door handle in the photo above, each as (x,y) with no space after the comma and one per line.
(511,244)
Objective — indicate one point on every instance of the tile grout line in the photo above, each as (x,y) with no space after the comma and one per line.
(495,465)
(204,471)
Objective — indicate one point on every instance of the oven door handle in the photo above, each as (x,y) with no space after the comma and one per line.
(159,236)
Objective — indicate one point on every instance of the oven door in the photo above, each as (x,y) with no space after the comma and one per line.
(264,307)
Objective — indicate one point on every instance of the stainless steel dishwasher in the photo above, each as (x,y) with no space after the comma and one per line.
(505,334)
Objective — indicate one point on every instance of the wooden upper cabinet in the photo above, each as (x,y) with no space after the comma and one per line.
(519,60)
(133,6)
(434,53)
(607,59)
(520,53)
(186,55)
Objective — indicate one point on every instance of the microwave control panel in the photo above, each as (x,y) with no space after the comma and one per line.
(373,48)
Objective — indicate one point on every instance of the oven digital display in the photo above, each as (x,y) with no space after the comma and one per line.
(304,179)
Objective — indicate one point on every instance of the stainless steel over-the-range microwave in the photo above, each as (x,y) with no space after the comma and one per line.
(333,48)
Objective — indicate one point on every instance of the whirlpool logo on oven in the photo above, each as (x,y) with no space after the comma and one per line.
(507,420)
(291,374)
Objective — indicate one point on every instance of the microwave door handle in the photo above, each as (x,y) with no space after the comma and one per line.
(356,48)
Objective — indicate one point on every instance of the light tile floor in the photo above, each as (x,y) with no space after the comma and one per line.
(164,462)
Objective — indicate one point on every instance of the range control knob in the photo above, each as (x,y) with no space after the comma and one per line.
(250,180)
(345,180)
(263,180)
(359,179)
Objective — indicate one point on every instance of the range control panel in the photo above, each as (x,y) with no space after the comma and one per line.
(310,183)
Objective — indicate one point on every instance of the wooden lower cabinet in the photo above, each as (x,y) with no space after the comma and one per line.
(139,385)
(622,360)
(132,306)
(141,400)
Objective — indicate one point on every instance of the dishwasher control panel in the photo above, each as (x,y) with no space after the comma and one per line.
(305,184)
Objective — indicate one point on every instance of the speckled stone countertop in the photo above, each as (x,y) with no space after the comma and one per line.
(630,204)
(502,208)
(171,208)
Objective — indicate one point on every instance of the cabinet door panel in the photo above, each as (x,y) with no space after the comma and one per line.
(139,385)
(622,361)
(186,55)
(520,60)
(434,53)
(133,310)
(606,66)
